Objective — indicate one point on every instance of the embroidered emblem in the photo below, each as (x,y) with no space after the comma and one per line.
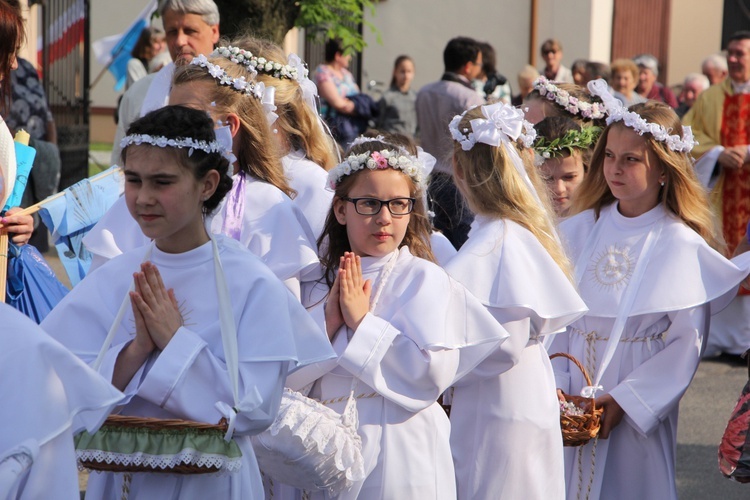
(613,267)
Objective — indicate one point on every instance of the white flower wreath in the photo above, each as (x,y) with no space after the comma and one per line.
(180,143)
(378,160)
(574,106)
(257,90)
(261,64)
(617,112)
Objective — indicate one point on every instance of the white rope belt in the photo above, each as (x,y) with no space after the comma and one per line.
(593,336)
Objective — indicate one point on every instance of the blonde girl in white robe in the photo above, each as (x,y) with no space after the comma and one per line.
(402,328)
(308,151)
(505,419)
(167,352)
(258,212)
(643,245)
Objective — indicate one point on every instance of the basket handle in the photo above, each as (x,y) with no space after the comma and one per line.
(575,362)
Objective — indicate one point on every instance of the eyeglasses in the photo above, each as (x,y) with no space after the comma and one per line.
(372,206)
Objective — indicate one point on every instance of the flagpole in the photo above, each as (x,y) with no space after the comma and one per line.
(3,262)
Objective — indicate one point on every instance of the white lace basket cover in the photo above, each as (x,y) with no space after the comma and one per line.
(310,446)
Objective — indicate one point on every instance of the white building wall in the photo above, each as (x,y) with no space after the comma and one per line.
(600,30)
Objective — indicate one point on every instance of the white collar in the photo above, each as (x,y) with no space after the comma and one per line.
(741,88)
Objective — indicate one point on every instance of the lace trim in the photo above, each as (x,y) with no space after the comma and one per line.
(321,431)
(325,429)
(186,456)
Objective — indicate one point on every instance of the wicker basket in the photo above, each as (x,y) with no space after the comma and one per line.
(179,433)
(577,430)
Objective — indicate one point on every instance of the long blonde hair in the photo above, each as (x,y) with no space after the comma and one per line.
(299,122)
(334,241)
(492,187)
(257,153)
(682,194)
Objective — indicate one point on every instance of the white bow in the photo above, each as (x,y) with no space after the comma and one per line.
(501,124)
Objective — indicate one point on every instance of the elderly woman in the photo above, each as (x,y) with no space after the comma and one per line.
(625,74)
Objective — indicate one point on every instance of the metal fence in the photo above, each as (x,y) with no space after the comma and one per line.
(64,65)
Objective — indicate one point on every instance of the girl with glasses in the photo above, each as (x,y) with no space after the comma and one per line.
(402,329)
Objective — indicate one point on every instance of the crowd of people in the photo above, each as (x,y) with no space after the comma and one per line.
(411,281)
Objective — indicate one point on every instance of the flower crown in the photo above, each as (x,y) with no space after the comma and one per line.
(257,90)
(179,143)
(260,64)
(501,124)
(574,106)
(573,139)
(396,159)
(617,112)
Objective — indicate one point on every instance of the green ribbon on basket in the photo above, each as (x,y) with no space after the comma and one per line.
(159,447)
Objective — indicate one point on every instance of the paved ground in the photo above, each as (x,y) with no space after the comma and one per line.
(704,412)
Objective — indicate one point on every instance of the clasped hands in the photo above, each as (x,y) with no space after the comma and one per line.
(155,309)
(734,157)
(349,298)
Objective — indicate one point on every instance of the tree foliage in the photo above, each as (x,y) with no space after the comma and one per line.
(321,19)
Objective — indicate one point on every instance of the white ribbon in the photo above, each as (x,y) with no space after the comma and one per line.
(309,89)
(224,137)
(230,414)
(267,98)
(628,297)
(590,391)
(428,161)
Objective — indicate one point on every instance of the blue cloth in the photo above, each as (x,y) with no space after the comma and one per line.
(121,53)
(72,215)
(32,286)
(346,128)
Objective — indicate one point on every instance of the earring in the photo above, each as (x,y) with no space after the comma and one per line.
(662,183)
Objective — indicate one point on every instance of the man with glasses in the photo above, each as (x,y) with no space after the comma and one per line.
(437,104)
(554,71)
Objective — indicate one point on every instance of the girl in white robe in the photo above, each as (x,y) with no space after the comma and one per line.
(48,395)
(308,151)
(167,353)
(403,330)
(258,211)
(505,419)
(642,246)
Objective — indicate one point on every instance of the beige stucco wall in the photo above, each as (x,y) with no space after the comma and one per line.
(695,33)
(421,28)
